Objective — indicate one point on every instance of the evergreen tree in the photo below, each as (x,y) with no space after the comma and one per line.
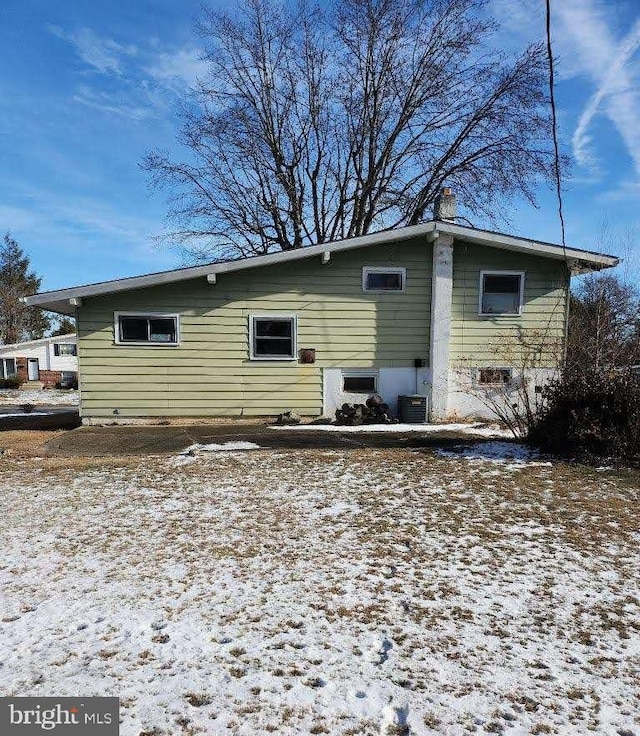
(65,326)
(17,321)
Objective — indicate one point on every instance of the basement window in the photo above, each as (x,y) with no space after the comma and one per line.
(494,376)
(383,279)
(146,329)
(273,337)
(359,383)
(501,292)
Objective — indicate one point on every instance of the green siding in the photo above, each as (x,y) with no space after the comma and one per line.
(210,373)
(478,341)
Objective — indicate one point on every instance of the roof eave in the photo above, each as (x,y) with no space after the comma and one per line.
(63,301)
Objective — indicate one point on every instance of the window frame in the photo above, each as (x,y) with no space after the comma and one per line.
(145,343)
(484,273)
(293,318)
(366,270)
(4,367)
(495,369)
(58,354)
(364,373)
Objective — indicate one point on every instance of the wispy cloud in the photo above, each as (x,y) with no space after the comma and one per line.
(48,220)
(180,67)
(587,46)
(608,62)
(104,55)
(114,104)
(136,81)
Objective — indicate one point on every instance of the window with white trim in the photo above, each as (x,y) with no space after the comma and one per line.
(501,292)
(146,329)
(272,337)
(7,367)
(383,279)
(65,348)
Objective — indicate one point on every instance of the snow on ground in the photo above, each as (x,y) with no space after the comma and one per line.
(38,396)
(220,447)
(362,592)
(513,454)
(479,429)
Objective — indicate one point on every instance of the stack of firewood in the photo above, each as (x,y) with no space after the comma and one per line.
(374,411)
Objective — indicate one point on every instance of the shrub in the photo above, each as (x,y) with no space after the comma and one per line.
(11,382)
(592,415)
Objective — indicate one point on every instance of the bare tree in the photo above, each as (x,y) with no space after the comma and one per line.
(604,324)
(315,125)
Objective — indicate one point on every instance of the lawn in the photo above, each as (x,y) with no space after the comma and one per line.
(310,591)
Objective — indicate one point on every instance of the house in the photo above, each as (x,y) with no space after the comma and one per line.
(51,360)
(437,309)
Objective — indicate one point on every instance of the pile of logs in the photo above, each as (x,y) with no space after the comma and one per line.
(374,411)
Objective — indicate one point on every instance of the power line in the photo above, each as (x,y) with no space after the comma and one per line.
(554,122)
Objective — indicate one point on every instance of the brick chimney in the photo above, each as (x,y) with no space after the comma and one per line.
(444,206)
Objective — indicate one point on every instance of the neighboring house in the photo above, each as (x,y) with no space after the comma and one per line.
(51,360)
(436,309)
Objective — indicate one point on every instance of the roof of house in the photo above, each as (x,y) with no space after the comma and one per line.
(71,337)
(65,301)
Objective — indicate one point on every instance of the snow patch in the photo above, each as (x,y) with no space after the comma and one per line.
(52,397)
(221,447)
(479,429)
(512,453)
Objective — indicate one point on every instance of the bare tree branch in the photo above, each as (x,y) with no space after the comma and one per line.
(318,124)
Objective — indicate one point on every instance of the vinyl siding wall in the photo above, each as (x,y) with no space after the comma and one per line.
(210,373)
(478,341)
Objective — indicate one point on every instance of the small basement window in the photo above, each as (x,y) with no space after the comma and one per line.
(273,338)
(359,383)
(63,348)
(383,279)
(501,292)
(143,329)
(494,376)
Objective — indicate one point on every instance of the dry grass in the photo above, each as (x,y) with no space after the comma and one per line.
(399,576)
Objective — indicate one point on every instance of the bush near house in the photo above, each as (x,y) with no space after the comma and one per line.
(11,382)
(591,414)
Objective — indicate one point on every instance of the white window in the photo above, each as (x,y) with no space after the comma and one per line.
(383,279)
(146,329)
(62,348)
(501,292)
(356,383)
(272,337)
(494,376)
(7,367)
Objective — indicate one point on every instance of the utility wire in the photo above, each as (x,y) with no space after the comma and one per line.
(554,122)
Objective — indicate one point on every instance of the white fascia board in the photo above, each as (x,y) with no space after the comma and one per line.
(58,301)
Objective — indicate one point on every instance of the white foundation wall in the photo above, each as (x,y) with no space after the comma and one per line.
(465,391)
(392,382)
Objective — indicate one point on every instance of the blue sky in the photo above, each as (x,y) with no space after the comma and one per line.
(87,87)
